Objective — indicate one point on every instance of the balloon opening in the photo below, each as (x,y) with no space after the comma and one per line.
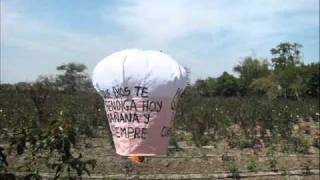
(138,159)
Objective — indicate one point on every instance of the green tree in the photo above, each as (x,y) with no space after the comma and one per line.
(73,78)
(39,93)
(297,87)
(286,54)
(265,86)
(227,85)
(250,69)
(206,87)
(202,87)
(287,71)
(288,79)
(311,79)
(22,86)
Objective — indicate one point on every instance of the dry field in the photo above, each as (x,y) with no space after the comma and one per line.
(190,162)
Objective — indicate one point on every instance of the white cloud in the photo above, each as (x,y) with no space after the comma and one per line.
(40,46)
(163,21)
(235,28)
(207,35)
(158,22)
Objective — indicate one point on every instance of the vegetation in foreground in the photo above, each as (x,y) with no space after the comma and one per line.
(271,103)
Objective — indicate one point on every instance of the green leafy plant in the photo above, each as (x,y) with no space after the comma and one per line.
(231,165)
(272,157)
(53,144)
(252,166)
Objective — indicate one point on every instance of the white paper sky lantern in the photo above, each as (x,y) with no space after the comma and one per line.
(140,90)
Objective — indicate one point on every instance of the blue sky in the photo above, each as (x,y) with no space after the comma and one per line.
(208,36)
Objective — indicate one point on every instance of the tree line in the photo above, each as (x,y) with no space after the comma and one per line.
(284,76)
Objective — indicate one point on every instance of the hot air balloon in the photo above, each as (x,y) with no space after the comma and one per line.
(140,89)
